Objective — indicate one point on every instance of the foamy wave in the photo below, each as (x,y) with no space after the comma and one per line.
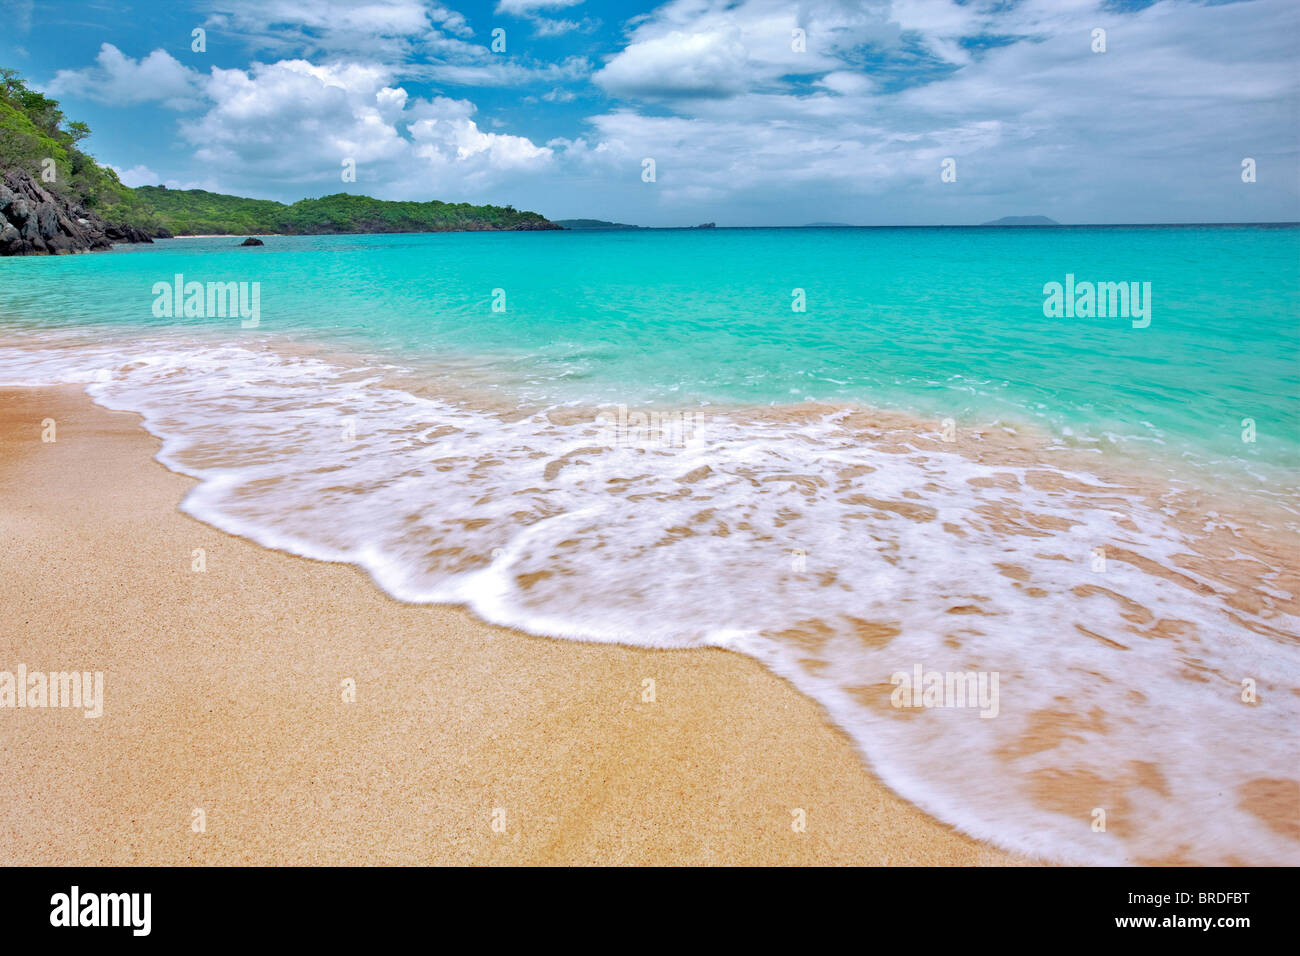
(837,546)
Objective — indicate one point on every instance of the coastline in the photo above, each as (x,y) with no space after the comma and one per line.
(231,235)
(222,692)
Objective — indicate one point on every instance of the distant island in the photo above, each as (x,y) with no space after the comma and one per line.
(593,224)
(1022,221)
(55,198)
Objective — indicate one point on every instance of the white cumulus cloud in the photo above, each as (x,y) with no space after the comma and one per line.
(297,122)
(137,176)
(117,78)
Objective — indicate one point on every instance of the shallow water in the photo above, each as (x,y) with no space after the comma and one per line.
(791,491)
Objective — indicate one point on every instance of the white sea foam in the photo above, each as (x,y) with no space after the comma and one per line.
(834,549)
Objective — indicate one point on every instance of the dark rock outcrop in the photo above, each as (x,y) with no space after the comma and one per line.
(34,221)
(250,241)
(534,225)
(126,234)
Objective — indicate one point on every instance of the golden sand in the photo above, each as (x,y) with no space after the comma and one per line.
(224,693)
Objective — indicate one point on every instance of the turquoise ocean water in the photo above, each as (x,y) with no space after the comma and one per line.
(945,322)
(1110,530)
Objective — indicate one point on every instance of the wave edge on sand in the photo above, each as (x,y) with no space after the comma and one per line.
(843,548)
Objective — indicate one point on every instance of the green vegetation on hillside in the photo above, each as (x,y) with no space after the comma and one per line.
(196,211)
(199,212)
(34,129)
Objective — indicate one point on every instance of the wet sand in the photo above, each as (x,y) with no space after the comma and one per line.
(226,737)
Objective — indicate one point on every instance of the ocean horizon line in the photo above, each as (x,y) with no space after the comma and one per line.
(631,228)
(940,225)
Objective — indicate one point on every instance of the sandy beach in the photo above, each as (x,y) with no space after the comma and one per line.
(224,693)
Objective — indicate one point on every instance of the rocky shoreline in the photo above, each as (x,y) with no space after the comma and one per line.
(34,221)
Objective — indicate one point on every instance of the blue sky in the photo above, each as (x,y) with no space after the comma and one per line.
(746,125)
